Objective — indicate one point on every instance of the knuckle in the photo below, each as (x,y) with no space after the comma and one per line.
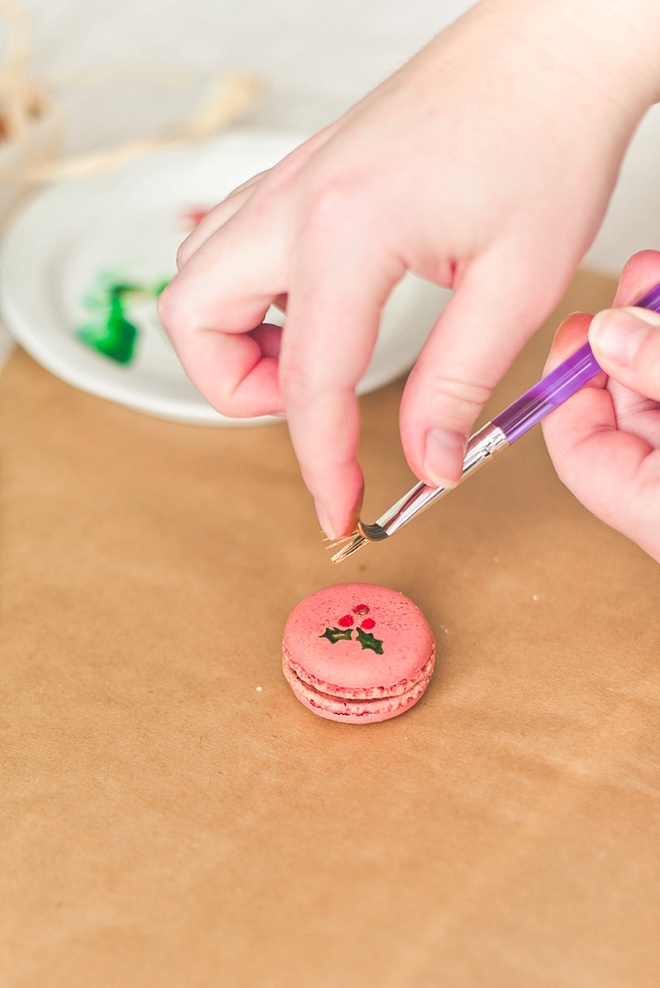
(458,400)
(173,312)
(298,384)
(225,402)
(332,203)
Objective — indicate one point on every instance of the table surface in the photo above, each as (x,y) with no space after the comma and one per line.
(171,815)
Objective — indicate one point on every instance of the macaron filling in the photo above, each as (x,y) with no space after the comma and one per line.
(362,693)
(356,707)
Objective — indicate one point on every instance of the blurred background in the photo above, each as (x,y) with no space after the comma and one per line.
(135,68)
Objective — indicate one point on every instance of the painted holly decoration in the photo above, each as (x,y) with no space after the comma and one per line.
(367,640)
(337,634)
(363,634)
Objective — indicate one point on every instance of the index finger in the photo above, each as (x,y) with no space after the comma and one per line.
(337,290)
(210,309)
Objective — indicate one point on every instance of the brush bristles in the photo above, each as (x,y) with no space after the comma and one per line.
(347,546)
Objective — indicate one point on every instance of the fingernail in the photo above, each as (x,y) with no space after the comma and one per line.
(324,519)
(619,333)
(354,516)
(443,450)
(351,524)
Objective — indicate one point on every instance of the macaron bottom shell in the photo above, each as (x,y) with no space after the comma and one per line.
(357,710)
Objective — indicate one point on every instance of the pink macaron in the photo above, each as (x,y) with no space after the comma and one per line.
(358,653)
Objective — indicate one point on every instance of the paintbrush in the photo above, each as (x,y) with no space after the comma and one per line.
(496,436)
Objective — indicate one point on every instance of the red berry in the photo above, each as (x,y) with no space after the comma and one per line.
(361,609)
(368,623)
(346,621)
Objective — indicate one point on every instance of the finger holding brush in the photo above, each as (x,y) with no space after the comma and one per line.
(604,441)
(485,164)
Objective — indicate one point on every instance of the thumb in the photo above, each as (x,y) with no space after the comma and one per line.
(626,344)
(489,317)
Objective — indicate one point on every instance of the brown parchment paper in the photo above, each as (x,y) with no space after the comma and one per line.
(172,817)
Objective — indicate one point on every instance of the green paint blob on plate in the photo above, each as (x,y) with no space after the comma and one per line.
(112,335)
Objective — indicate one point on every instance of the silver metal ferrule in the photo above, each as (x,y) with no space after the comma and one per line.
(481,447)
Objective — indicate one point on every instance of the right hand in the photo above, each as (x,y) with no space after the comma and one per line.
(485,164)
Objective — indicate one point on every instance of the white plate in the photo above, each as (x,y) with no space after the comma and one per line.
(125,226)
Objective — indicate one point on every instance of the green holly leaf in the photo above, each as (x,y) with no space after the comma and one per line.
(337,634)
(367,640)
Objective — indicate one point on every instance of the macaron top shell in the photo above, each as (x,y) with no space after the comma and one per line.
(358,640)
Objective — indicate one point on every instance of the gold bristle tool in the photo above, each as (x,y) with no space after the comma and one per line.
(346,546)
(343,548)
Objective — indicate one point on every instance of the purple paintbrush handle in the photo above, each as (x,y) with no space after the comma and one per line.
(558,385)
(550,392)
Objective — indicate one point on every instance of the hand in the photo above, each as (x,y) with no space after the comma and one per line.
(605,440)
(485,164)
